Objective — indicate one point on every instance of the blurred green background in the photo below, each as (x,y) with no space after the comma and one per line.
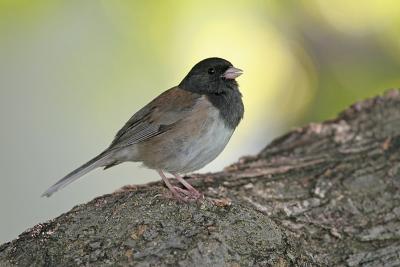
(72,72)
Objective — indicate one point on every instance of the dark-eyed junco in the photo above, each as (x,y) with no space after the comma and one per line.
(180,131)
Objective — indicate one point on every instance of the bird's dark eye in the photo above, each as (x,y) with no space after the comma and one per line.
(211,71)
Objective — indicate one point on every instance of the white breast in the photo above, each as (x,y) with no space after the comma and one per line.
(194,141)
(208,145)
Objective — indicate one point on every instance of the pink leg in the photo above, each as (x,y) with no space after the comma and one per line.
(172,188)
(183,191)
(195,194)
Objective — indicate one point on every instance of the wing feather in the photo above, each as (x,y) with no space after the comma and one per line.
(156,117)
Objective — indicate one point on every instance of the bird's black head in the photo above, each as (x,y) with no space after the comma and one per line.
(215,78)
(211,76)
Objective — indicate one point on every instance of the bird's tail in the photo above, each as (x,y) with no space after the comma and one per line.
(94,163)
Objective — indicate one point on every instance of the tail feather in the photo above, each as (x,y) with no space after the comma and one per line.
(98,161)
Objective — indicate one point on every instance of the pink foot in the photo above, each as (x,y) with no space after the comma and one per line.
(179,196)
(184,195)
(193,192)
(190,195)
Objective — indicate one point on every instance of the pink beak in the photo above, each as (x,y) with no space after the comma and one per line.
(232,73)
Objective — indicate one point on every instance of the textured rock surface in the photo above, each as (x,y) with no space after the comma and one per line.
(325,194)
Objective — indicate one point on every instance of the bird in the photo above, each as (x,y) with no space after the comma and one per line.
(180,131)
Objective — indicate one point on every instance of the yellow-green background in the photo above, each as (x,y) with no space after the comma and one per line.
(72,72)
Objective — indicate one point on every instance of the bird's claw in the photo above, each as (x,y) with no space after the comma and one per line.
(186,195)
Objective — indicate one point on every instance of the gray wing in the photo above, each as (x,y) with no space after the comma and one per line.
(137,129)
(155,118)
